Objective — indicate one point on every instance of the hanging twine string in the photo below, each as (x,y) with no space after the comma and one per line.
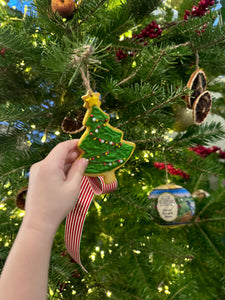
(78,61)
(86,79)
(196,59)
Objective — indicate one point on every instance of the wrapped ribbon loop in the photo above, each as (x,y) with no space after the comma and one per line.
(75,219)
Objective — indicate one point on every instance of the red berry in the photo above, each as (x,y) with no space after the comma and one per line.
(75,274)
(154,23)
(159,31)
(2,52)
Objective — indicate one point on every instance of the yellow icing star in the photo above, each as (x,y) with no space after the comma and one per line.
(91,99)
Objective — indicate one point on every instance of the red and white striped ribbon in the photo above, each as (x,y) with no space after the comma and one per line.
(75,219)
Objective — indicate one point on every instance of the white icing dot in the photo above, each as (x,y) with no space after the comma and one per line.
(121,160)
(94,119)
(96,130)
(110,143)
(110,164)
(102,141)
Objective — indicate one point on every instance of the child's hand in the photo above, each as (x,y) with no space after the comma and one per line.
(54,186)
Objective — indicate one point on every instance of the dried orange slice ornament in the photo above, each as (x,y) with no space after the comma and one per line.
(197,83)
(201,107)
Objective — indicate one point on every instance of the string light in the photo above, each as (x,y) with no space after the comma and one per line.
(108,294)
(57,132)
(2,2)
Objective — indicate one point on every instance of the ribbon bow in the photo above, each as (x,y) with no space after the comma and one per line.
(75,219)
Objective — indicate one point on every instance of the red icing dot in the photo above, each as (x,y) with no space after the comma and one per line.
(98,126)
(91,115)
(104,164)
(91,133)
(99,140)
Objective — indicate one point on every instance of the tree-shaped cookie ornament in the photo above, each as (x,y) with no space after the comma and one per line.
(102,144)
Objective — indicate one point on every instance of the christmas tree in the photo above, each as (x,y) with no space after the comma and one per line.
(139,55)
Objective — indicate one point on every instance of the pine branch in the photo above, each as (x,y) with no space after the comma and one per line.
(130,76)
(199,135)
(210,220)
(198,182)
(124,80)
(18,111)
(10,39)
(141,272)
(91,13)
(209,40)
(213,200)
(4,175)
(130,202)
(178,95)
(180,290)
(149,140)
(210,242)
(161,54)
(141,8)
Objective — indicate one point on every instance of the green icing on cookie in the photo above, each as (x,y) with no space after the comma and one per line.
(103,145)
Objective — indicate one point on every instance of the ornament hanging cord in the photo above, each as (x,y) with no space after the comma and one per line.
(167,175)
(196,59)
(78,61)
